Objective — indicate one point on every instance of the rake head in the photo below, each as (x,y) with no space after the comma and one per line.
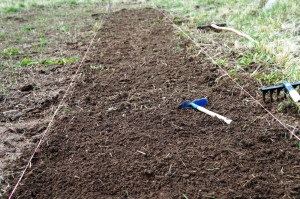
(188,103)
(286,86)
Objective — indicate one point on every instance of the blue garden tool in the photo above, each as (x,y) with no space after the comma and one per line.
(198,104)
(287,87)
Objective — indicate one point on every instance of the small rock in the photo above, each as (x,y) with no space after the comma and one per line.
(270,4)
(213,69)
(16,138)
(186,175)
(54,94)
(149,173)
(11,115)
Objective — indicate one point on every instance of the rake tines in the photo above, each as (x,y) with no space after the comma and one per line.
(287,87)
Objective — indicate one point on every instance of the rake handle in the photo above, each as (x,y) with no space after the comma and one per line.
(293,93)
(211,113)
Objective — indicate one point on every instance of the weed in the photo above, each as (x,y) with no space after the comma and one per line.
(245,61)
(233,71)
(49,61)
(127,193)
(12,9)
(22,5)
(73,2)
(67,110)
(272,77)
(11,51)
(280,182)
(27,62)
(28,28)
(284,105)
(255,57)
(177,20)
(43,42)
(221,62)
(34,4)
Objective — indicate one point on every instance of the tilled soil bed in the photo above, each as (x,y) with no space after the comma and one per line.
(123,136)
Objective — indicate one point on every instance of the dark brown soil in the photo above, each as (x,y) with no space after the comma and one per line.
(123,136)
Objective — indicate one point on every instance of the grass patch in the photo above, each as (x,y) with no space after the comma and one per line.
(73,2)
(27,62)
(12,9)
(43,42)
(273,77)
(49,61)
(11,51)
(17,5)
(276,29)
(28,28)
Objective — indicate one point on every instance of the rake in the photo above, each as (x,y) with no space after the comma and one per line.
(198,104)
(287,87)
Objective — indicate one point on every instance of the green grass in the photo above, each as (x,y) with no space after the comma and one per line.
(12,9)
(28,28)
(49,61)
(11,51)
(17,5)
(276,30)
(27,62)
